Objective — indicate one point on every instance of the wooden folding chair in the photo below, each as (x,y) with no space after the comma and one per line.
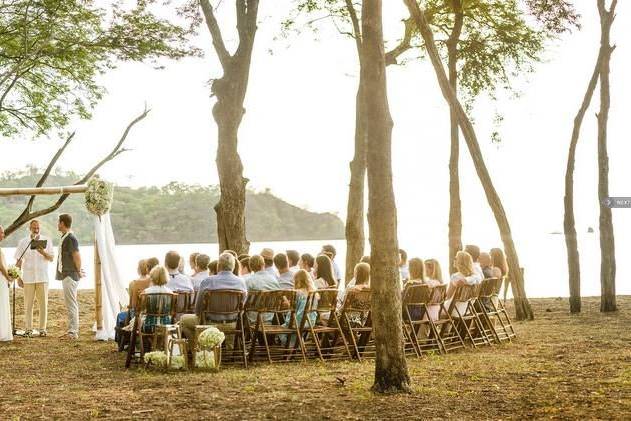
(123,336)
(462,311)
(184,303)
(357,322)
(449,339)
(226,304)
(154,310)
(281,306)
(420,332)
(321,326)
(492,312)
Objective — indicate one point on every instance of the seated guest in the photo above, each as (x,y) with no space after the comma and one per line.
(201,265)
(306,263)
(139,285)
(237,267)
(294,257)
(285,277)
(158,277)
(474,251)
(433,273)
(324,276)
(329,250)
(416,272)
(488,270)
(260,280)
(244,261)
(268,257)
(303,286)
(191,263)
(361,280)
(465,273)
(404,271)
(180,266)
(499,261)
(365,259)
(225,279)
(212,267)
(177,281)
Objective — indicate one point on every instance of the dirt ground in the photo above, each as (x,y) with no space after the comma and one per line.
(561,366)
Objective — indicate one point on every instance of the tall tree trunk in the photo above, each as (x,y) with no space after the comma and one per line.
(391,372)
(455,207)
(571,243)
(355,238)
(607,243)
(228,112)
(522,305)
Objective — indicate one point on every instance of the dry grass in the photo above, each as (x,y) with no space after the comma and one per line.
(561,366)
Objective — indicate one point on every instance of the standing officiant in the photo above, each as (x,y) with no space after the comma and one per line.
(33,255)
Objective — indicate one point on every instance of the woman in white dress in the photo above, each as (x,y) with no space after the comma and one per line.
(6,332)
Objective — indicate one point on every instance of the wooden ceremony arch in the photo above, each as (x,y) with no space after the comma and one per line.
(74,189)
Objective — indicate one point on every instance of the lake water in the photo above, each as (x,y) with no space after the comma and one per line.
(543,257)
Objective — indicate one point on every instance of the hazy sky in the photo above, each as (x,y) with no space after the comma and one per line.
(297,134)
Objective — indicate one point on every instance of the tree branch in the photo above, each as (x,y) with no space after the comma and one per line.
(356,26)
(404,45)
(215,33)
(27,215)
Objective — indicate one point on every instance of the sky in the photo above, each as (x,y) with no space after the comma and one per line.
(297,135)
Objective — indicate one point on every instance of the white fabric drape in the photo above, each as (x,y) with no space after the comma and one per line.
(114,294)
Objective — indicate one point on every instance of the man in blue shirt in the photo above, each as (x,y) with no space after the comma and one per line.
(224,279)
(260,280)
(330,251)
(268,257)
(285,277)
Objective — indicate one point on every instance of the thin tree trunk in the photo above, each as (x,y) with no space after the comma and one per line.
(391,372)
(522,305)
(607,243)
(228,112)
(455,207)
(355,238)
(571,243)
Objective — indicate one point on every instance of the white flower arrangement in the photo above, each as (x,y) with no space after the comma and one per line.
(14,272)
(205,359)
(99,196)
(156,358)
(210,338)
(160,359)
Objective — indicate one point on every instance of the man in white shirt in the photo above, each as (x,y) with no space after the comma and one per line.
(34,265)
(177,281)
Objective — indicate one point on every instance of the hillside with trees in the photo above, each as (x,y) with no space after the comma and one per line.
(175,213)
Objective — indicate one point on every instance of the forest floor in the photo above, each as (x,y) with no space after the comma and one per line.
(561,366)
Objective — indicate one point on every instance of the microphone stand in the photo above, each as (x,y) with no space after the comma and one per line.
(13,318)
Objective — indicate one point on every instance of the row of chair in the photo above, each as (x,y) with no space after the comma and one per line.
(267,328)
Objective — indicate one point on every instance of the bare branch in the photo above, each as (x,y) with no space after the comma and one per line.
(356,26)
(215,33)
(404,45)
(118,149)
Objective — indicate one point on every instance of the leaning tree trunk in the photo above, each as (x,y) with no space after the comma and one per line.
(607,243)
(455,207)
(355,238)
(522,305)
(571,243)
(391,372)
(228,112)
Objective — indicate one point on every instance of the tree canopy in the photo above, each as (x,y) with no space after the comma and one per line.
(52,52)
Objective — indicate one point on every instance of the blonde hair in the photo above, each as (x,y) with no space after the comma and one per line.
(464,263)
(362,274)
(143,267)
(302,280)
(499,260)
(417,269)
(159,276)
(436,272)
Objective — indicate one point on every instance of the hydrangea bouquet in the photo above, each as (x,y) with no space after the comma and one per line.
(209,343)
(14,272)
(99,196)
(210,338)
